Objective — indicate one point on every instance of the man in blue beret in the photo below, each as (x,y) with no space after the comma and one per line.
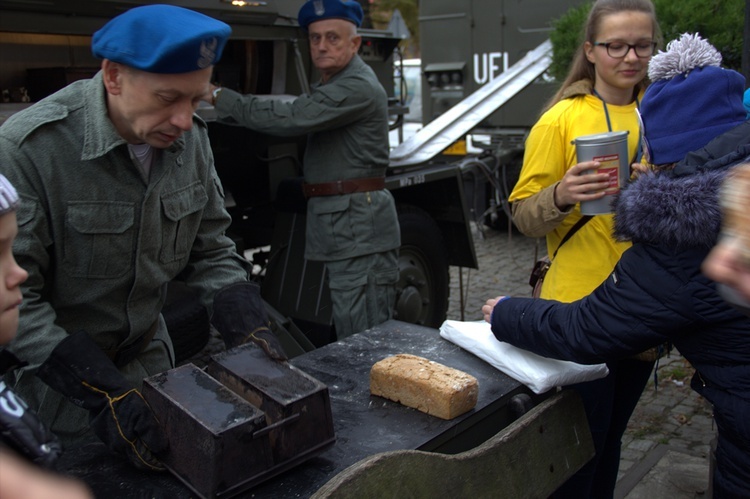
(119,197)
(351,218)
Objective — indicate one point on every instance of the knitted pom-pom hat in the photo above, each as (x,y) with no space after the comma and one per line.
(690,101)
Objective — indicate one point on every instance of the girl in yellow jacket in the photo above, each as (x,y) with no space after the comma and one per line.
(600,94)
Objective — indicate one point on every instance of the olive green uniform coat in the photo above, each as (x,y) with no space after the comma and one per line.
(346,122)
(101,241)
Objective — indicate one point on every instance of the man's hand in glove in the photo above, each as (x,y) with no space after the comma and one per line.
(118,414)
(240,316)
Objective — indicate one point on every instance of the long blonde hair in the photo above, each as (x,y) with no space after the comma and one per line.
(582,68)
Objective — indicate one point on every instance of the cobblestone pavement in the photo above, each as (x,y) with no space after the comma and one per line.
(666,447)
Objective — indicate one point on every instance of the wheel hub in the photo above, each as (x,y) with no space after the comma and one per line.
(409,306)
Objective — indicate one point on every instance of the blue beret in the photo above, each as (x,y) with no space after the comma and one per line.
(317,10)
(162,39)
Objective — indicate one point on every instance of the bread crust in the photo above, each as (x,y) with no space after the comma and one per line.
(425,385)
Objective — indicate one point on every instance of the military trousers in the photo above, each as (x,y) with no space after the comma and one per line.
(363,291)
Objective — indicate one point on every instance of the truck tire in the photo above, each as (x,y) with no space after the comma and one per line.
(423,286)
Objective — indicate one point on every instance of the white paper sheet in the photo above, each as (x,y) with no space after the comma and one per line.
(538,373)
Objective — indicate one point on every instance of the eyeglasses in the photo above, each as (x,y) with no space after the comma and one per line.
(618,50)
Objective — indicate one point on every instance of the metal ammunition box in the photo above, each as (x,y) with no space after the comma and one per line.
(214,440)
(296,405)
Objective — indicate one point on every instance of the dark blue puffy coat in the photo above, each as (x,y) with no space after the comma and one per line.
(657,293)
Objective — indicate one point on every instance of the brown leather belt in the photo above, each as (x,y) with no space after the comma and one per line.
(127,353)
(344,187)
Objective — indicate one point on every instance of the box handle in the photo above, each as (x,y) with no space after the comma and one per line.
(264,431)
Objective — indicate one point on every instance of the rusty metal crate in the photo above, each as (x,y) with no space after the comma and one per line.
(245,420)
(296,405)
(217,442)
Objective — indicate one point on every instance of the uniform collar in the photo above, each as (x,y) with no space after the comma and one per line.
(353,67)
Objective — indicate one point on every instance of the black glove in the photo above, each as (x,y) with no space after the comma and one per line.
(118,414)
(22,430)
(240,316)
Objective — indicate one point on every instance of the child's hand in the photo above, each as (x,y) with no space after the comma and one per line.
(489,307)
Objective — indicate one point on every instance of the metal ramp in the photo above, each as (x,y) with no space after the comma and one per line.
(461,118)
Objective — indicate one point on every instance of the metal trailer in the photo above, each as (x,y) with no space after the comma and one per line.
(513,443)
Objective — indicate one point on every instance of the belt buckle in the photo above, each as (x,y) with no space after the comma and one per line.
(340,187)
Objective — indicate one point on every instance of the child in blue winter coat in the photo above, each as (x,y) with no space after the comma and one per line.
(657,293)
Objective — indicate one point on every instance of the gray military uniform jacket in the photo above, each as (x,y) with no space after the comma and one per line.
(100,241)
(346,121)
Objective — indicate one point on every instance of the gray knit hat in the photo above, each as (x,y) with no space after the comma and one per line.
(8,196)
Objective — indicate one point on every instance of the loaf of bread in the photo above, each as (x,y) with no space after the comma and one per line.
(424,385)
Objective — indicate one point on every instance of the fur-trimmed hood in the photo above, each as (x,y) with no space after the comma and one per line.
(679,212)
(680,208)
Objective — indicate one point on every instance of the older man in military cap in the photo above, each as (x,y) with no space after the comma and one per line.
(120,196)
(351,218)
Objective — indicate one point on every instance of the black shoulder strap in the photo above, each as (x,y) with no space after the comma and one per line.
(580,223)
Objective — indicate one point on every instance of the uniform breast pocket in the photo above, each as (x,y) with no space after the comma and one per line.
(99,239)
(182,217)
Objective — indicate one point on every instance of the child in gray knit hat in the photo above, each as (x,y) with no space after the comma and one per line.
(10,273)
(23,438)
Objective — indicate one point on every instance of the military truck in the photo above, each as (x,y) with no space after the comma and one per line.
(483,86)
(46,45)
